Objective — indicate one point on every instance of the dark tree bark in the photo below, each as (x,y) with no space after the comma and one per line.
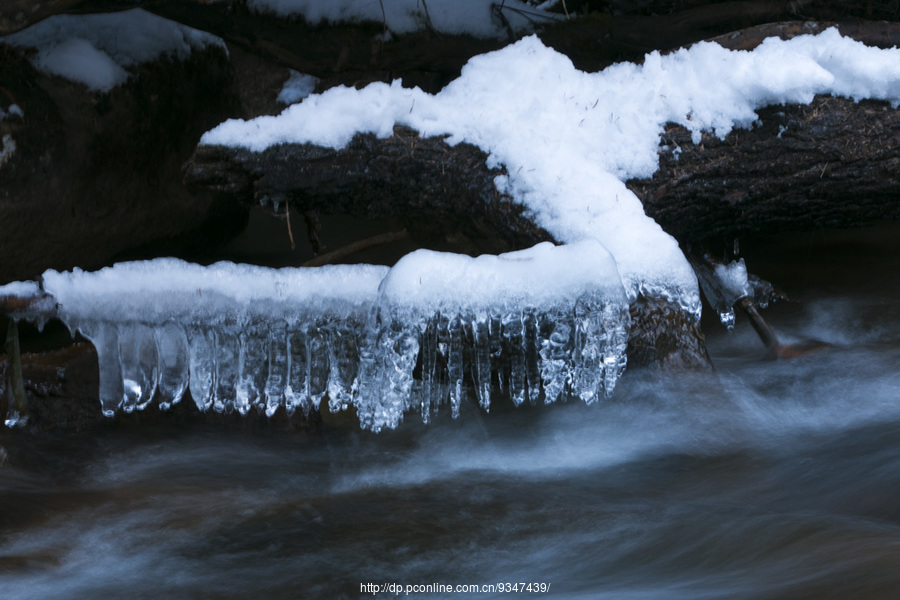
(439,193)
(833,163)
(604,31)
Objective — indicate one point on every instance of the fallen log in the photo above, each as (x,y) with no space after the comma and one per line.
(833,163)
(441,194)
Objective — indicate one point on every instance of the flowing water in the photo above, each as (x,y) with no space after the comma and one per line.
(767,479)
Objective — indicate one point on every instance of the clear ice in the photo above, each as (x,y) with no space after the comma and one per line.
(401,360)
(277,343)
(723,286)
(420,361)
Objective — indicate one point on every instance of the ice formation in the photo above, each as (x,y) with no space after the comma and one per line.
(238,336)
(723,286)
(99,50)
(545,323)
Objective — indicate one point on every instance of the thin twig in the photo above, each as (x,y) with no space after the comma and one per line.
(287,218)
(383,20)
(345,251)
(18,401)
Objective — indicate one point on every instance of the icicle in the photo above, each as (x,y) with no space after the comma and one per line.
(279,363)
(441,377)
(105,339)
(401,347)
(296,392)
(430,375)
(16,402)
(496,346)
(253,367)
(344,365)
(481,367)
(174,364)
(588,352)
(532,355)
(317,376)
(556,352)
(386,371)
(203,367)
(455,364)
(140,365)
(616,321)
(513,341)
(227,355)
(372,386)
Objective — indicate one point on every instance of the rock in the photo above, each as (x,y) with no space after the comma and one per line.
(19,14)
(95,174)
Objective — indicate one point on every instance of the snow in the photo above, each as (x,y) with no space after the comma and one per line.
(569,140)
(168,289)
(14,110)
(7,148)
(539,277)
(99,50)
(77,59)
(473,17)
(297,87)
(20,289)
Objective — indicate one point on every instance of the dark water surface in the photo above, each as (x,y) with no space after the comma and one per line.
(767,479)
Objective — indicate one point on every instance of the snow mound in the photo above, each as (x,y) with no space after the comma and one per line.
(538,277)
(169,289)
(569,140)
(99,50)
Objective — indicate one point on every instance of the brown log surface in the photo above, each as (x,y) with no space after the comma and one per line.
(434,189)
(833,163)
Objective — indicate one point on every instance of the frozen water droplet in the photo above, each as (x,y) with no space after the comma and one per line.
(727,318)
